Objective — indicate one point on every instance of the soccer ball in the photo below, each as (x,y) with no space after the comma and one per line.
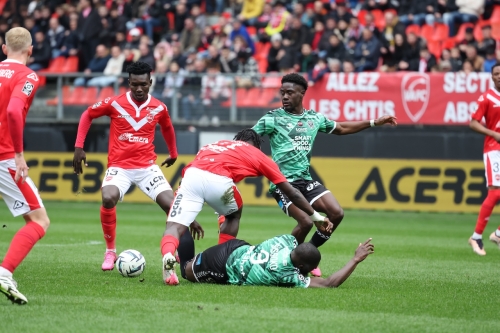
(130,263)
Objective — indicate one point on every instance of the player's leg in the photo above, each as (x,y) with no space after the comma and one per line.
(22,199)
(116,183)
(153,183)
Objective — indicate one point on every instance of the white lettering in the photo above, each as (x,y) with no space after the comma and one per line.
(6,73)
(460,112)
(364,82)
(467,83)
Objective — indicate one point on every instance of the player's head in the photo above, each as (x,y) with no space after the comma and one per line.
(139,80)
(18,42)
(306,257)
(495,75)
(250,136)
(293,89)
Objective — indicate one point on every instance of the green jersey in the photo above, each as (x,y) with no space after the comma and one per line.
(292,137)
(266,264)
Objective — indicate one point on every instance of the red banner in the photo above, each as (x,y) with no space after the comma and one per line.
(414,98)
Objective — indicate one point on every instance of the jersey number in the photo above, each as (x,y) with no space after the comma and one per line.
(496,167)
(259,258)
(111,172)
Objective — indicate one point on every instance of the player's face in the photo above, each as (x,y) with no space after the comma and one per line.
(495,75)
(291,97)
(139,86)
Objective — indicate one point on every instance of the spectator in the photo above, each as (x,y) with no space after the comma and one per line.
(370,24)
(350,49)
(297,34)
(248,70)
(468,11)
(213,86)
(488,43)
(117,22)
(227,60)
(319,13)
(306,59)
(56,37)
(445,66)
(146,55)
(96,65)
(71,40)
(417,12)
(159,79)
(178,57)
(89,28)
(278,19)
(215,6)
(113,69)
(163,53)
(355,29)
(476,60)
(336,50)
(207,38)
(319,30)
(153,17)
(490,60)
(41,55)
(427,60)
(275,50)
(124,9)
(240,30)
(348,66)
(192,88)
(341,12)
(317,73)
(29,24)
(251,11)
(341,31)
(334,65)
(3,56)
(367,52)
(43,20)
(324,42)
(211,56)
(456,59)
(190,36)
(129,59)
(135,38)
(392,27)
(200,20)
(396,54)
(467,67)
(120,40)
(173,81)
(181,14)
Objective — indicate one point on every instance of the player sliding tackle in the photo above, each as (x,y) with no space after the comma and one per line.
(131,158)
(211,178)
(18,86)
(275,262)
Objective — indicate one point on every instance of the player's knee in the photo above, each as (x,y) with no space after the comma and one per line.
(108,200)
(40,217)
(336,214)
(305,223)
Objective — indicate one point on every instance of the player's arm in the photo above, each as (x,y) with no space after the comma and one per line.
(264,125)
(337,278)
(351,127)
(475,123)
(168,133)
(298,200)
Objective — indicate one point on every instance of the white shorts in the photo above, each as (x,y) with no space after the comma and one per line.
(20,198)
(492,167)
(200,186)
(149,180)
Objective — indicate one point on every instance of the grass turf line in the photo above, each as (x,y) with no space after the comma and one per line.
(422,278)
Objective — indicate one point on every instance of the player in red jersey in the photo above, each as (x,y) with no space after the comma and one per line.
(131,156)
(210,178)
(488,107)
(18,85)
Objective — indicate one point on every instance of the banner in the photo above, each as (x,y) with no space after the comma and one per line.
(386,184)
(414,98)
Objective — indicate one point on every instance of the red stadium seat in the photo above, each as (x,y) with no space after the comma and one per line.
(252,31)
(2,5)
(266,97)
(461,31)
(171,20)
(427,32)
(478,34)
(251,98)
(122,90)
(361,16)
(441,32)
(241,94)
(105,93)
(378,18)
(74,97)
(495,16)
(448,43)
(434,48)
(495,30)
(71,65)
(415,28)
(262,63)
(271,82)
(66,93)
(55,65)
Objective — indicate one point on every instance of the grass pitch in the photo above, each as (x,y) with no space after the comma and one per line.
(423,277)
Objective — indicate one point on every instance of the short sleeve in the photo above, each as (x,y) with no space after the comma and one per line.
(269,169)
(100,109)
(25,88)
(294,280)
(482,106)
(265,125)
(326,125)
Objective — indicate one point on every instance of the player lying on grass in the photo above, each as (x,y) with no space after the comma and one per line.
(211,178)
(18,85)
(131,157)
(275,262)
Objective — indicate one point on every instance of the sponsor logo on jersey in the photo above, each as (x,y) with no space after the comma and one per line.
(107,100)
(96,105)
(301,129)
(310,123)
(150,117)
(175,207)
(312,185)
(415,94)
(124,116)
(6,73)
(497,177)
(289,126)
(28,88)
(32,76)
(302,142)
(18,204)
(108,178)
(300,123)
(132,138)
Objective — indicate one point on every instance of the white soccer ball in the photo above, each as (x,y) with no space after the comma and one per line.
(130,263)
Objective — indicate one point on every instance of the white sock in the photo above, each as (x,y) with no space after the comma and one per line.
(111,250)
(5,272)
(497,233)
(477,236)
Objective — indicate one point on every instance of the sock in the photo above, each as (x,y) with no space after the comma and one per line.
(169,244)
(108,223)
(225,237)
(485,211)
(318,239)
(21,245)
(5,272)
(497,232)
(185,251)
(477,236)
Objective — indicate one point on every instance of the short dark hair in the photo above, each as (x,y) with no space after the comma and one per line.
(296,79)
(497,64)
(247,135)
(139,68)
(308,255)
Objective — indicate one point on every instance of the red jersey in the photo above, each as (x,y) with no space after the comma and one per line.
(236,160)
(132,129)
(489,108)
(16,81)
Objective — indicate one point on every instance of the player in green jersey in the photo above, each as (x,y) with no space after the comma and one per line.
(292,130)
(278,261)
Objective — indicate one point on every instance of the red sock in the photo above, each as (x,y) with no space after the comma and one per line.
(486,209)
(225,237)
(108,223)
(169,244)
(21,245)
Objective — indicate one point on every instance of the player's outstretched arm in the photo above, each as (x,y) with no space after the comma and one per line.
(337,278)
(298,200)
(476,126)
(351,127)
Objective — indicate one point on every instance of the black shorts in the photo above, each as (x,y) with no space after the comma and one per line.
(209,266)
(312,190)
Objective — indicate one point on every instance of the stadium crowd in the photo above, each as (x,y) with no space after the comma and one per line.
(254,36)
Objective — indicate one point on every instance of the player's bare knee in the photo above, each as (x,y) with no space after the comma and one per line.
(336,215)
(40,217)
(305,223)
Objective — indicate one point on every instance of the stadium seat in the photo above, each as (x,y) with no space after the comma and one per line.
(434,48)
(266,97)
(251,98)
(66,93)
(441,32)
(89,97)
(241,94)
(271,82)
(448,43)
(495,16)
(378,18)
(74,96)
(105,93)
(495,30)
(171,20)
(415,28)
(55,65)
(478,35)
(122,90)
(361,16)
(262,65)
(252,31)
(2,5)
(427,32)
(461,31)
(71,65)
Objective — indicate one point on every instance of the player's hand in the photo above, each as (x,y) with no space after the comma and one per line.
(78,157)
(169,161)
(363,250)
(326,226)
(386,120)
(21,168)
(196,230)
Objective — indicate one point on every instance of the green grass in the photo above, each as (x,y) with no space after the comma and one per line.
(422,278)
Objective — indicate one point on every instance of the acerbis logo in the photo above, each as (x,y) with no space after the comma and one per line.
(131,138)
(415,93)
(18,204)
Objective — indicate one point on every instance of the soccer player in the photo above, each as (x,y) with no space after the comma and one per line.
(488,104)
(292,130)
(211,178)
(18,85)
(131,156)
(275,262)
